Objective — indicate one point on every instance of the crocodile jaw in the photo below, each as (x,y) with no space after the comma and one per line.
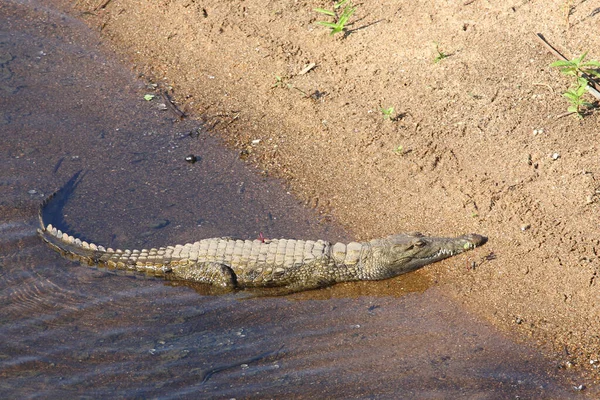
(435,249)
(399,254)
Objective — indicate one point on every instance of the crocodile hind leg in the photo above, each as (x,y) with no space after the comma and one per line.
(205,272)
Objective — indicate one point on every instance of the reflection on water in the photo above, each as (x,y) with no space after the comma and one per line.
(76,330)
(67,330)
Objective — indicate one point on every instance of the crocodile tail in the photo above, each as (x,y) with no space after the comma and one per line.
(70,246)
(51,210)
(150,262)
(43,206)
(89,253)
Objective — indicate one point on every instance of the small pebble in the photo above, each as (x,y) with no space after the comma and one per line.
(525,227)
(245,153)
(191,158)
(555,156)
(589,199)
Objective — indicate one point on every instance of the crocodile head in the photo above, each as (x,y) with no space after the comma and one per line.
(398,254)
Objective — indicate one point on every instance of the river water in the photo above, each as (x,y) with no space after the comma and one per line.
(68,105)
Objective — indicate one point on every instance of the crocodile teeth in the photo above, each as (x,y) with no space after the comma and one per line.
(441,252)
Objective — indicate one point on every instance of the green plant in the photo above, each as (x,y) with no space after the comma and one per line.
(577,67)
(283,82)
(399,150)
(387,112)
(575,96)
(440,54)
(341,19)
(583,71)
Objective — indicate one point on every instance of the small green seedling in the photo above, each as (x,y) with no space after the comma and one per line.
(577,67)
(399,150)
(148,97)
(387,113)
(583,73)
(341,19)
(440,54)
(575,96)
(283,82)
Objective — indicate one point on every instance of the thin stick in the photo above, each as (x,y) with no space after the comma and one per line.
(549,47)
(552,50)
(544,84)
(180,114)
(564,115)
(102,5)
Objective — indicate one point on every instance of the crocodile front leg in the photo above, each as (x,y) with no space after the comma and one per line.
(204,272)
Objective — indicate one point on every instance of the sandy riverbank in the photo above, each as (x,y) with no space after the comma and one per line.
(474,144)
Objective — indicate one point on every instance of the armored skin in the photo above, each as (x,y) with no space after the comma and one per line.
(294,264)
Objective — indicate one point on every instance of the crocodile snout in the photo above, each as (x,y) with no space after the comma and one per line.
(475,239)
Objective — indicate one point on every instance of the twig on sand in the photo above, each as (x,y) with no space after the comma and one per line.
(564,115)
(180,114)
(544,84)
(102,5)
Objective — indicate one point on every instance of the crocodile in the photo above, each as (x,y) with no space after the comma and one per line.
(242,264)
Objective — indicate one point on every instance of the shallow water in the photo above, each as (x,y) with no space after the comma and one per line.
(68,330)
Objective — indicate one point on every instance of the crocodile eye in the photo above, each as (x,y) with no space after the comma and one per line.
(419,243)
